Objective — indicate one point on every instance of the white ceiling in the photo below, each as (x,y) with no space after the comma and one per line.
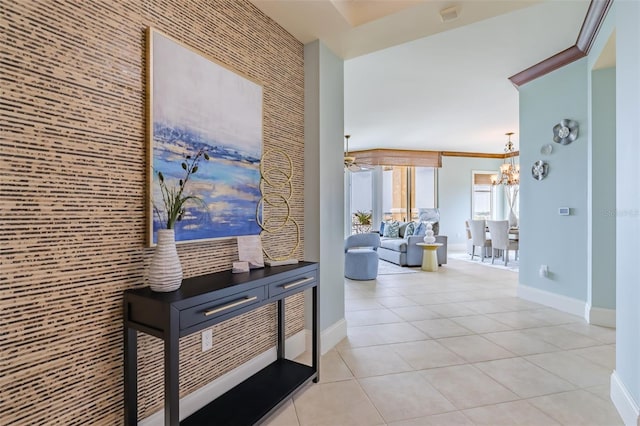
(412,82)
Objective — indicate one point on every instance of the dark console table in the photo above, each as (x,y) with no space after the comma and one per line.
(200,303)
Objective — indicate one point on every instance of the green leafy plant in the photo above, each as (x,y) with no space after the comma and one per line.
(174,197)
(364,218)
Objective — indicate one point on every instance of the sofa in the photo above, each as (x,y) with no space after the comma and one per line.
(403,249)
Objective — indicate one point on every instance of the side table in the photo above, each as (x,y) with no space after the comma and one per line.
(429,256)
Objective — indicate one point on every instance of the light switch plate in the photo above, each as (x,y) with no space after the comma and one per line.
(564,211)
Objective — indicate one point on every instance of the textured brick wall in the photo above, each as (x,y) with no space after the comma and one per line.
(72,188)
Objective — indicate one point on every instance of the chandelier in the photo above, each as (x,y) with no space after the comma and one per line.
(509,170)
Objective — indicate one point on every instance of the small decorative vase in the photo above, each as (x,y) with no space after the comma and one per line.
(165,272)
(513,219)
(428,235)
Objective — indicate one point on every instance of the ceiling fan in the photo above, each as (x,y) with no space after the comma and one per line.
(349,160)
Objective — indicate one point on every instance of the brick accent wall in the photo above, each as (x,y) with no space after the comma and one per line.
(72,184)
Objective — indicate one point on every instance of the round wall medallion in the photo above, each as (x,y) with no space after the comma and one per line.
(565,132)
(539,170)
(546,149)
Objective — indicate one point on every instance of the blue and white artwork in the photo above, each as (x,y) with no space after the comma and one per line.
(196,103)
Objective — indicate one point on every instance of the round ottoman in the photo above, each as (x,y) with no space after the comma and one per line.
(361,264)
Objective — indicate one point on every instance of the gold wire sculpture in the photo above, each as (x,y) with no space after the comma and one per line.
(276,189)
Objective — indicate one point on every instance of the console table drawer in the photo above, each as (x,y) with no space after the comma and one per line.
(293,284)
(220,307)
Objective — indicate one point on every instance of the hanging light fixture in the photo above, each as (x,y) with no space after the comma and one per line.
(509,170)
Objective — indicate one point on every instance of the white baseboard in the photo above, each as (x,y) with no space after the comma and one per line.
(600,316)
(332,335)
(626,406)
(294,346)
(557,301)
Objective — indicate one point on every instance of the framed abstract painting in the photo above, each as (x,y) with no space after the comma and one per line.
(195,104)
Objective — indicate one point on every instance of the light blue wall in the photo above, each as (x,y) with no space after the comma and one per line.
(324,184)
(602,189)
(547,238)
(628,195)
(454,194)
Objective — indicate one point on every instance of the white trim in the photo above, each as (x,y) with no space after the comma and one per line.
(557,301)
(294,346)
(600,316)
(331,335)
(626,406)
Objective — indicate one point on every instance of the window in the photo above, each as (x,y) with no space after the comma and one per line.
(482,196)
(361,201)
(407,191)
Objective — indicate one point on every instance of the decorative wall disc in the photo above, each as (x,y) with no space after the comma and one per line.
(565,132)
(539,170)
(546,149)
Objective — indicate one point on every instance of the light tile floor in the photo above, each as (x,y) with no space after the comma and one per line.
(457,347)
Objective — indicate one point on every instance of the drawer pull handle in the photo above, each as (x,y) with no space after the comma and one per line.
(230,305)
(296,283)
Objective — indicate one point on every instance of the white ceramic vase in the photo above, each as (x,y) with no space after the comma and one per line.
(165,272)
(513,219)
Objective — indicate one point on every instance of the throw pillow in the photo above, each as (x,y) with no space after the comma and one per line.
(435,227)
(420,229)
(391,229)
(411,227)
(382,228)
(402,231)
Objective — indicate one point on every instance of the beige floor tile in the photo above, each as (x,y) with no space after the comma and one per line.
(556,317)
(426,354)
(601,334)
(374,361)
(381,334)
(371,317)
(362,304)
(333,368)
(523,377)
(520,343)
(354,292)
(338,403)
(604,356)
(448,310)
(509,414)
(492,306)
(437,328)
(396,301)
(415,313)
(404,396)
(572,368)
(475,348)
(481,324)
(285,416)
(578,408)
(561,337)
(602,391)
(428,299)
(466,386)
(454,418)
(519,319)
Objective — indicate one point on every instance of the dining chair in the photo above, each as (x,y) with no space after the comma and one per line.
(499,231)
(479,238)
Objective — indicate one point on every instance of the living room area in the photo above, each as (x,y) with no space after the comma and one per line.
(447,196)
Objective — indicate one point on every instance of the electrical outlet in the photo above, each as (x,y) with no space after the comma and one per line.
(207,340)
(544,271)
